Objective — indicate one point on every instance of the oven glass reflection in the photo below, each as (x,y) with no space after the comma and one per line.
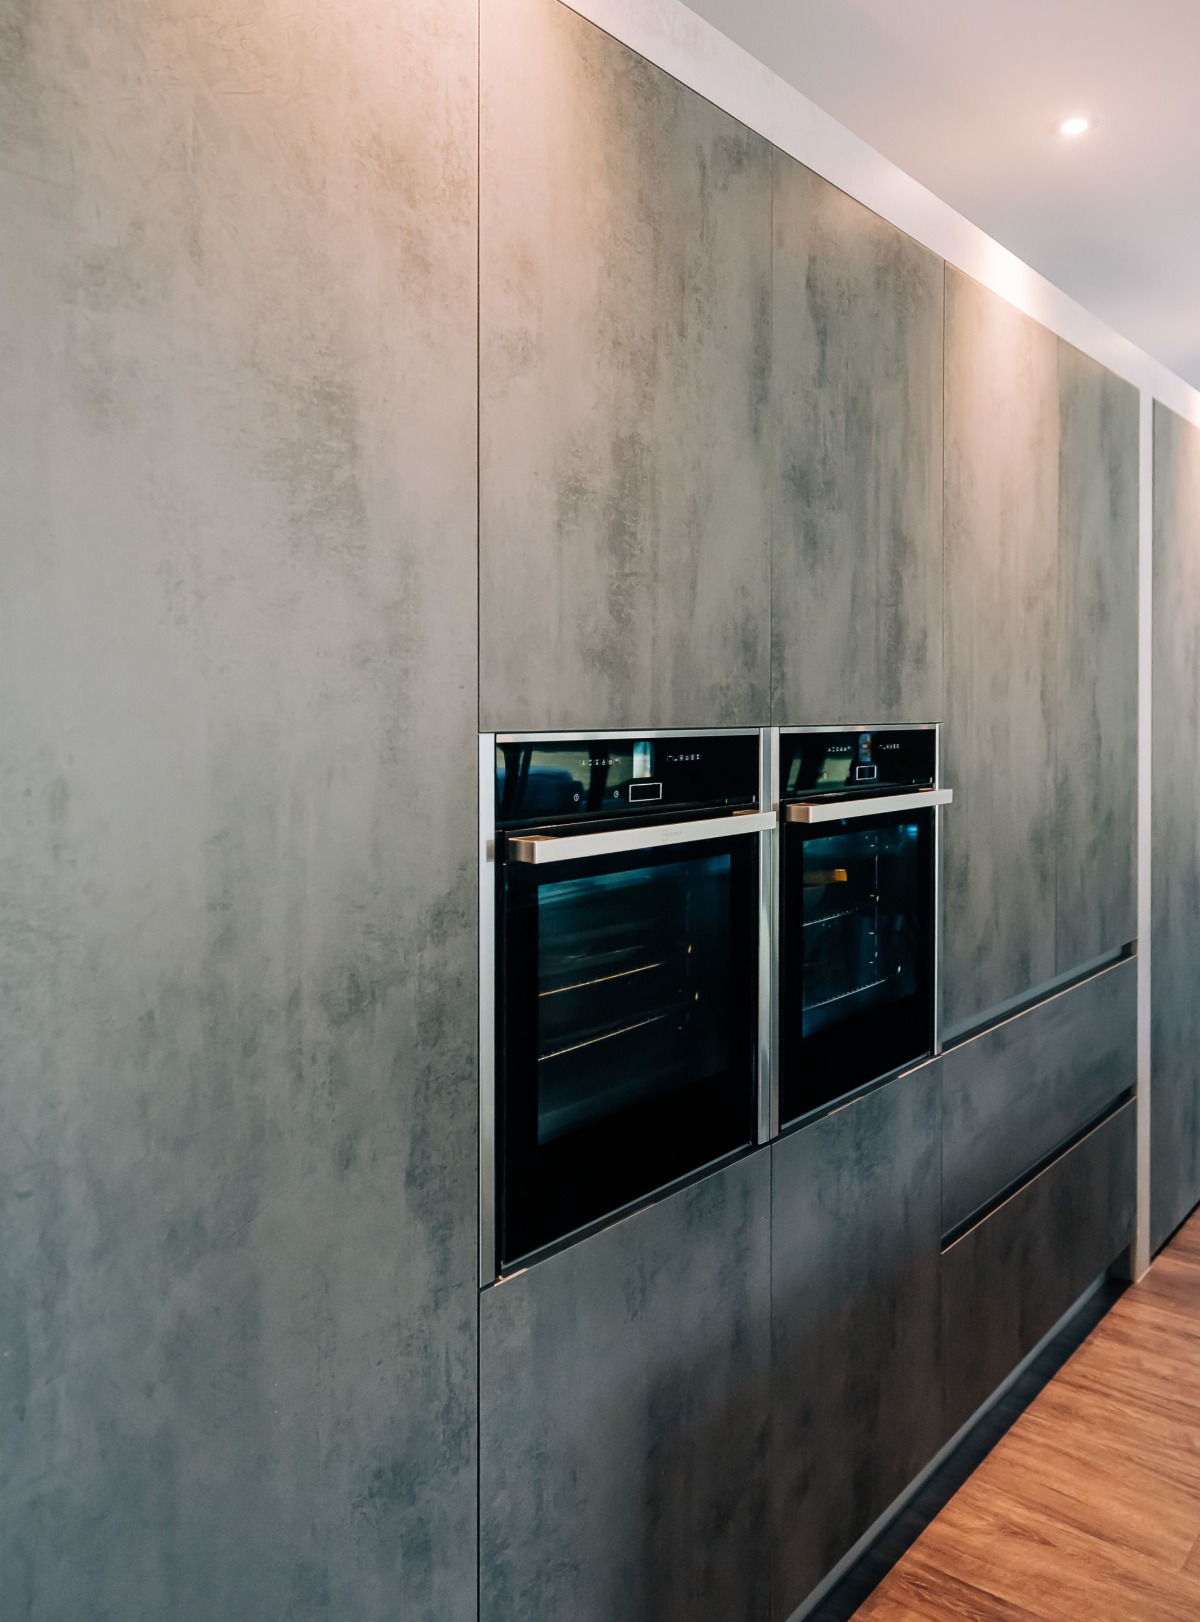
(633,976)
(861,913)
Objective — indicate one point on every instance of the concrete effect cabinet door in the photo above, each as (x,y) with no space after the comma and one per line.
(1041,632)
(856,424)
(1001,623)
(623,1418)
(1175,861)
(625,277)
(1097,676)
(238,411)
(856,1383)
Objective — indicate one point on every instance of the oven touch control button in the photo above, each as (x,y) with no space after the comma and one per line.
(644,791)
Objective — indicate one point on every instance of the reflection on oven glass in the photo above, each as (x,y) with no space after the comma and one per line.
(633,977)
(861,923)
(546,786)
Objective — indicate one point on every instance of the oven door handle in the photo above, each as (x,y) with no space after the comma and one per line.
(544,848)
(841,810)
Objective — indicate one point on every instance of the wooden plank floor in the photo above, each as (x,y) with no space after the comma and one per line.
(1089,1506)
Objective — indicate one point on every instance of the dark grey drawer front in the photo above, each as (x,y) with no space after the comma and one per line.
(1008,1280)
(1016,1094)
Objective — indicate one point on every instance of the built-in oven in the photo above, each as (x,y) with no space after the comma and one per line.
(626,881)
(858,909)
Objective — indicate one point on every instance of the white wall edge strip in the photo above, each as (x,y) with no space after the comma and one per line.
(691,50)
(1145,809)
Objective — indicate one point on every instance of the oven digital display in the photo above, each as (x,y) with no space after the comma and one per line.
(842,762)
(554,782)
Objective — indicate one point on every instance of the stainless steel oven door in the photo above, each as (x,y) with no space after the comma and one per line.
(627,1018)
(857,959)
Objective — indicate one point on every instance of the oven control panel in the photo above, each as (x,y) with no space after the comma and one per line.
(858,761)
(557,781)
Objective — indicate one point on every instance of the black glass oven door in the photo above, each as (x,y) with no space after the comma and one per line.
(628,1018)
(857,962)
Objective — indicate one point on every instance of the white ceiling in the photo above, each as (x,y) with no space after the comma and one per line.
(962,94)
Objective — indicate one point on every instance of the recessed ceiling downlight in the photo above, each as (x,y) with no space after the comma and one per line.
(1077,124)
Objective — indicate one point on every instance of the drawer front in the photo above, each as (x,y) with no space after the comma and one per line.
(1016,1094)
(1008,1280)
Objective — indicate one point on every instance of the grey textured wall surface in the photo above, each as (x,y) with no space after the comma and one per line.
(1001,527)
(623,1413)
(1175,858)
(856,427)
(237,633)
(1096,682)
(625,284)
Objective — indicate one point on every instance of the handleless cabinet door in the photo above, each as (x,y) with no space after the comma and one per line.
(1175,999)
(625,271)
(856,1408)
(856,423)
(238,925)
(1097,680)
(1001,526)
(623,1414)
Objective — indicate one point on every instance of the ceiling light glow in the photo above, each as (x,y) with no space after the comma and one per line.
(1076,125)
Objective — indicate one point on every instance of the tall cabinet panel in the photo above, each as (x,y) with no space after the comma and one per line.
(1175,1060)
(1097,684)
(1001,524)
(625,350)
(857,427)
(856,1393)
(623,1412)
(238,1289)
